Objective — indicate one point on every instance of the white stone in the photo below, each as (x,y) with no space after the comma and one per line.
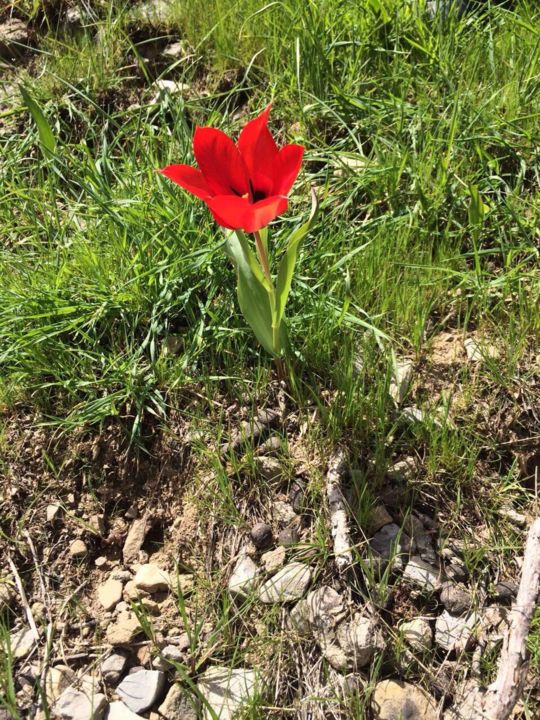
(422,575)
(152,578)
(58,678)
(77,549)
(325,609)
(52,512)
(273,560)
(141,689)
(113,667)
(177,706)
(454,633)
(119,711)
(110,593)
(226,691)
(21,643)
(76,705)
(124,630)
(360,638)
(418,634)
(244,577)
(289,584)
(401,379)
(135,538)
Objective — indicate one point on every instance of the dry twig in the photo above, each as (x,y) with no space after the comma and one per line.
(338,511)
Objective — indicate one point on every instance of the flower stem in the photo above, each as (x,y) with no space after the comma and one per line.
(261,252)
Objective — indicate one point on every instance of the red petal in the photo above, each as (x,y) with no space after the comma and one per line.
(260,153)
(237,213)
(189,178)
(220,162)
(289,162)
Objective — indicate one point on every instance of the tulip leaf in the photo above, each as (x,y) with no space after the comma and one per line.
(46,135)
(288,261)
(253,297)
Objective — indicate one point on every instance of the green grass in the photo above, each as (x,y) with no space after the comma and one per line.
(407,120)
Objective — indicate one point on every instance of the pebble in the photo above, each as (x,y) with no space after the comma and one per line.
(261,535)
(113,667)
(244,577)
(396,700)
(100,562)
(274,559)
(288,536)
(456,598)
(454,633)
(505,591)
(418,634)
(269,467)
(124,630)
(13,34)
(53,512)
(58,678)
(325,608)
(359,638)
(77,705)
(135,538)
(402,469)
(390,542)
(402,376)
(110,593)
(21,643)
(422,575)
(378,518)
(141,689)
(119,711)
(300,619)
(289,584)
(152,579)
(175,50)
(283,513)
(78,549)
(226,691)
(177,706)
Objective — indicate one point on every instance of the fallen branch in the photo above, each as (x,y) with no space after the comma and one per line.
(338,510)
(502,695)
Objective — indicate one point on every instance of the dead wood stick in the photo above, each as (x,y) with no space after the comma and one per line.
(502,695)
(339,520)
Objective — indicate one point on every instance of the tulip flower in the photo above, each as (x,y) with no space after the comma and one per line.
(245,186)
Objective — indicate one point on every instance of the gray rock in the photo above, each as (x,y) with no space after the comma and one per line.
(455,634)
(300,618)
(141,689)
(325,609)
(109,593)
(58,678)
(505,591)
(21,643)
(78,549)
(422,575)
(166,659)
(244,577)
(283,513)
(456,598)
(135,538)
(418,634)
(177,706)
(403,469)
(77,705)
(261,535)
(289,584)
(274,559)
(53,512)
(378,518)
(152,579)
(288,536)
(226,691)
(390,542)
(176,50)
(269,468)
(359,638)
(402,376)
(396,700)
(113,667)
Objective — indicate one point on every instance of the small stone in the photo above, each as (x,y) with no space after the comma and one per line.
(152,578)
(76,705)
(131,592)
(283,513)
(124,630)
(244,577)
(141,689)
(297,499)
(6,592)
(403,469)
(325,609)
(100,562)
(13,38)
(132,513)
(21,643)
(226,691)
(422,575)
(119,711)
(378,518)
(58,678)
(396,700)
(300,618)
(261,535)
(289,584)
(288,536)
(360,638)
(390,542)
(456,598)
(113,667)
(274,559)
(269,468)
(168,656)
(418,634)
(110,593)
(270,446)
(175,50)
(402,376)
(177,705)
(135,538)
(78,549)
(97,524)
(478,351)
(171,86)
(505,591)
(53,512)
(454,633)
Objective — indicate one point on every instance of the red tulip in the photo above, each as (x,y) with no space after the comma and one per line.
(244,185)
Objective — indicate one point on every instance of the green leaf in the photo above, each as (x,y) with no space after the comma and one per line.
(253,297)
(288,261)
(46,135)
